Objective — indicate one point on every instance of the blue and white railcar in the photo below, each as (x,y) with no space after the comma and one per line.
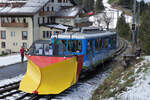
(95,46)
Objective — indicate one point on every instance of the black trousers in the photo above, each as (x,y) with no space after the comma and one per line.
(22,58)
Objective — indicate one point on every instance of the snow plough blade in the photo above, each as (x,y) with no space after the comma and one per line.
(50,75)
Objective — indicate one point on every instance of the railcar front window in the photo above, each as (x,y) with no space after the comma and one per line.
(38,49)
(48,49)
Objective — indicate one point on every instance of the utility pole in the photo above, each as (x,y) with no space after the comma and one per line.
(138,22)
(133,24)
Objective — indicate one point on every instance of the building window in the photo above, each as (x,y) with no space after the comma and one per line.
(52,8)
(3,20)
(24,45)
(24,20)
(3,34)
(44,35)
(15,44)
(47,34)
(52,0)
(60,1)
(47,8)
(12,34)
(43,20)
(53,19)
(3,45)
(43,9)
(24,35)
(13,20)
(48,19)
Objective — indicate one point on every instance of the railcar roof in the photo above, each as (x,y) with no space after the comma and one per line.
(82,35)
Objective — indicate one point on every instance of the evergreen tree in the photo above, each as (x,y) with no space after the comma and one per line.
(143,6)
(99,6)
(79,2)
(88,5)
(126,3)
(144,35)
(123,28)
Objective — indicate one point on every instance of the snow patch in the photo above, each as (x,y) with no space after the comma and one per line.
(140,89)
(10,59)
(11,80)
(114,14)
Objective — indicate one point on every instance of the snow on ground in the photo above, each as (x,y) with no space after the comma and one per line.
(141,86)
(112,13)
(10,59)
(84,90)
(11,80)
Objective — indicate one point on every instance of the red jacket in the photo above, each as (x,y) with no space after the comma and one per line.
(21,51)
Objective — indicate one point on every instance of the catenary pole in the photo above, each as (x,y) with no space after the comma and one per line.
(134,24)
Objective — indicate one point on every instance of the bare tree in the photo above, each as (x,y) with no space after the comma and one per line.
(103,20)
(98,20)
(107,18)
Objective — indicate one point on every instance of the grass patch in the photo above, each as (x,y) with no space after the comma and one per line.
(146,67)
(113,1)
(112,85)
(3,54)
(139,60)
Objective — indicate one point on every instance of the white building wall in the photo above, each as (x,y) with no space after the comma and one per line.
(15,42)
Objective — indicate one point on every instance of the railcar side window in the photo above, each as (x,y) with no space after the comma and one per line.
(89,47)
(75,45)
(113,40)
(107,43)
(97,44)
(100,43)
(103,43)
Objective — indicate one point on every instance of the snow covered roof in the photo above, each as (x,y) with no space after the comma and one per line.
(29,8)
(59,26)
(83,36)
(71,12)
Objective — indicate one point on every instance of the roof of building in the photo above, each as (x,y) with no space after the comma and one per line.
(58,26)
(29,8)
(71,12)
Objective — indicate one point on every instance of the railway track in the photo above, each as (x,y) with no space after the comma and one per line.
(11,92)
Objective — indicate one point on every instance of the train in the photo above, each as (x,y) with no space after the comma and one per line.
(54,65)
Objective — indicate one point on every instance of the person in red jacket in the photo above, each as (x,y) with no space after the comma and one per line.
(22,53)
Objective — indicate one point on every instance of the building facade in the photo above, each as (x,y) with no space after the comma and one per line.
(24,21)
